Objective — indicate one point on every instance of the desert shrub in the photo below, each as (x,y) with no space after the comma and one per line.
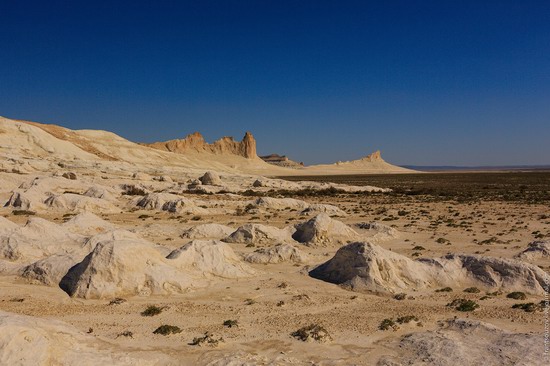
(117,301)
(386,324)
(517,295)
(167,330)
(152,310)
(230,323)
(530,307)
(463,305)
(311,332)
(131,190)
(400,296)
(472,290)
(23,213)
(126,333)
(444,289)
(206,340)
(406,319)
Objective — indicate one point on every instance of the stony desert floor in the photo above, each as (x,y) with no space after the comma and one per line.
(251,319)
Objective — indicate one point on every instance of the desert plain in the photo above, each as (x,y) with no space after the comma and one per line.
(188,253)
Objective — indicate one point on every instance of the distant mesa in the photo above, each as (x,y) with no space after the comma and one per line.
(21,140)
(226,145)
(283,161)
(371,158)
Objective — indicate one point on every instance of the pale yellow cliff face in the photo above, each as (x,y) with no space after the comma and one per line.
(226,145)
(193,151)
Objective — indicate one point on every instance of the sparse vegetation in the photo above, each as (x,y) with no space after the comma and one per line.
(472,290)
(312,332)
(167,330)
(206,340)
(529,307)
(400,296)
(463,305)
(152,310)
(386,324)
(406,319)
(444,289)
(117,301)
(23,213)
(526,187)
(230,323)
(126,334)
(517,295)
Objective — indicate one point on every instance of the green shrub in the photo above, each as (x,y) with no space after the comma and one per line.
(23,213)
(472,290)
(463,305)
(206,340)
(117,301)
(530,307)
(167,330)
(152,310)
(231,323)
(386,324)
(312,332)
(517,295)
(400,296)
(406,319)
(126,333)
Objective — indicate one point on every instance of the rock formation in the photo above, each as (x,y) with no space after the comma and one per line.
(369,267)
(536,250)
(137,267)
(26,340)
(277,254)
(211,179)
(258,234)
(323,230)
(207,231)
(283,161)
(465,342)
(226,145)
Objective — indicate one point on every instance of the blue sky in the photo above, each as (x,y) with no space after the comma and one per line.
(427,82)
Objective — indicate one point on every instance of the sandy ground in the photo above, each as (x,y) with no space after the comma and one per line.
(111,177)
(282,298)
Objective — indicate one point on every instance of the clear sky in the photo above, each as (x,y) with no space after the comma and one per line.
(427,82)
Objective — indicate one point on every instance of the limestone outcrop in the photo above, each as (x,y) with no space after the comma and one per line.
(226,145)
